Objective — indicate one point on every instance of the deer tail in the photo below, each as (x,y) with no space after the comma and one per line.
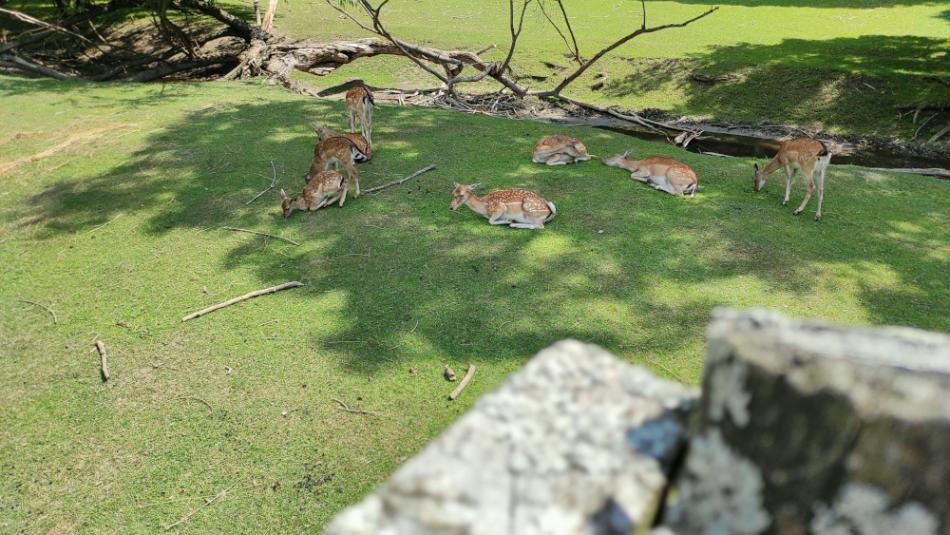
(553,211)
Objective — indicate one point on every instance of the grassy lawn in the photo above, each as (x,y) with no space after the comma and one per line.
(838,66)
(111,205)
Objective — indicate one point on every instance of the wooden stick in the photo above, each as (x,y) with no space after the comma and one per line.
(347,408)
(245,297)
(273,183)
(44,307)
(235,229)
(191,513)
(400,181)
(103,360)
(199,400)
(468,377)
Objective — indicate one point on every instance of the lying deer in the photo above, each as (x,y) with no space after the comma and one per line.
(811,157)
(325,188)
(559,150)
(325,132)
(359,105)
(516,208)
(335,151)
(664,174)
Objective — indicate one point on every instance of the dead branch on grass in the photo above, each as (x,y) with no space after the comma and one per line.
(44,307)
(347,408)
(273,183)
(191,513)
(103,360)
(377,189)
(245,297)
(265,234)
(468,377)
(199,400)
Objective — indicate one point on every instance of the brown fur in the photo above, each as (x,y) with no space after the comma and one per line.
(811,157)
(323,189)
(325,132)
(517,208)
(660,172)
(559,150)
(359,105)
(333,151)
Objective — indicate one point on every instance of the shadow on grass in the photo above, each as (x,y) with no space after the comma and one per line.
(621,266)
(842,82)
(854,4)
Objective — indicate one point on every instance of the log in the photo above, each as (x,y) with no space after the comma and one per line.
(245,297)
(806,427)
(468,377)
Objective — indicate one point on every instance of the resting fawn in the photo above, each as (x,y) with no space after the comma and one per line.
(664,174)
(325,188)
(359,105)
(559,150)
(516,208)
(334,151)
(811,157)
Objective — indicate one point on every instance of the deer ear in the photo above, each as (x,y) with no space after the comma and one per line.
(756,166)
(455,184)
(475,185)
(283,195)
(626,153)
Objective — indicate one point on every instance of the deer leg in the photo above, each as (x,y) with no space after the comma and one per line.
(641,175)
(353,175)
(789,173)
(821,190)
(498,218)
(533,226)
(559,159)
(810,184)
(368,124)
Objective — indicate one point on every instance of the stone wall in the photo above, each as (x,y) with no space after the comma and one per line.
(802,428)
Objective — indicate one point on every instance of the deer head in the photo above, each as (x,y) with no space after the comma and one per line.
(461,193)
(286,204)
(758,178)
(616,160)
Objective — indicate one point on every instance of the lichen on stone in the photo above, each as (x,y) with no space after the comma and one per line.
(720,492)
(727,393)
(864,510)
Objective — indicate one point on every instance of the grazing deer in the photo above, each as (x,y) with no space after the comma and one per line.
(811,157)
(325,188)
(664,174)
(559,150)
(516,208)
(334,151)
(325,132)
(359,105)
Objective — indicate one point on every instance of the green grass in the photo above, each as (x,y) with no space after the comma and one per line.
(840,66)
(122,224)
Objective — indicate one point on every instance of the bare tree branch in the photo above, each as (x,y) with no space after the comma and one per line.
(643,30)
(557,28)
(514,33)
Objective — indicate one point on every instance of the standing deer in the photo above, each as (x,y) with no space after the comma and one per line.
(517,208)
(334,151)
(811,157)
(559,150)
(323,189)
(660,172)
(325,132)
(359,105)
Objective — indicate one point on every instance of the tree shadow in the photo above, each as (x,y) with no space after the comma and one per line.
(621,265)
(853,4)
(792,80)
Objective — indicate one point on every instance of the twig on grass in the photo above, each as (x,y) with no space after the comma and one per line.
(189,514)
(104,224)
(199,400)
(44,307)
(265,234)
(273,183)
(401,180)
(347,408)
(103,360)
(245,297)
(468,377)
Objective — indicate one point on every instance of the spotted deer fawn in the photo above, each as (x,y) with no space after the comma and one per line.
(325,188)
(335,151)
(359,105)
(559,150)
(660,172)
(516,208)
(811,157)
(325,132)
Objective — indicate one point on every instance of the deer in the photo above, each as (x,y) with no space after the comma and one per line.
(325,132)
(660,172)
(559,150)
(325,188)
(334,151)
(517,208)
(811,157)
(359,105)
